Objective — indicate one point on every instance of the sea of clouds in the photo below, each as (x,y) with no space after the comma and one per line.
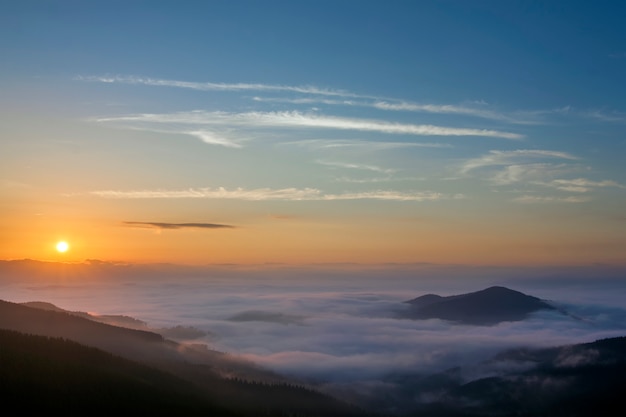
(332,326)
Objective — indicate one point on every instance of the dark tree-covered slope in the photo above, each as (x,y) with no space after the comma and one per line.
(574,381)
(40,375)
(228,382)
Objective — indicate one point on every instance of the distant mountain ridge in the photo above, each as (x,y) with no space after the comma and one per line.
(114,320)
(485,307)
(178,333)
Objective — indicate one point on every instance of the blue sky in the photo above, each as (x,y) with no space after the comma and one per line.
(354,131)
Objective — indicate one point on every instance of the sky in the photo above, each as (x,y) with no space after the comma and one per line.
(308,132)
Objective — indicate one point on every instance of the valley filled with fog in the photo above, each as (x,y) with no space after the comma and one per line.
(337,329)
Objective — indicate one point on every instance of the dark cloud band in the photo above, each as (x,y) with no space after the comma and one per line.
(171,226)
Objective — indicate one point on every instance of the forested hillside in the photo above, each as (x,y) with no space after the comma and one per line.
(48,372)
(41,375)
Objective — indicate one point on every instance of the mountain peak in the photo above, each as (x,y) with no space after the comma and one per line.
(499,289)
(485,307)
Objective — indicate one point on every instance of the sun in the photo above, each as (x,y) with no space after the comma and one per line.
(62,246)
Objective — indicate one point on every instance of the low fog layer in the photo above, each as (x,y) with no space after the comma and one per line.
(332,327)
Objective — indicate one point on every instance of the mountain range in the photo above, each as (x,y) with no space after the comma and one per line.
(56,362)
(221,381)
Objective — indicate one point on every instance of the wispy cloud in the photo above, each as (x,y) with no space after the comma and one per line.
(258,194)
(515,118)
(399,105)
(348,165)
(317,93)
(580,185)
(312,100)
(534,172)
(510,167)
(362,144)
(606,116)
(394,196)
(208,86)
(550,199)
(214,139)
(499,158)
(265,194)
(295,119)
(159,225)
(377,180)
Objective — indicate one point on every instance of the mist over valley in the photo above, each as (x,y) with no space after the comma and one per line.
(340,331)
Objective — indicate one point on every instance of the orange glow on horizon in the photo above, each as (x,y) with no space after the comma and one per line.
(303,241)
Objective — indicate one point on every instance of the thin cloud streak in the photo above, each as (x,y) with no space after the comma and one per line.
(348,165)
(378,103)
(494,158)
(173,226)
(542,199)
(297,119)
(456,110)
(208,86)
(580,185)
(363,144)
(392,195)
(604,116)
(534,172)
(310,100)
(397,105)
(268,194)
(214,139)
(377,180)
(259,194)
